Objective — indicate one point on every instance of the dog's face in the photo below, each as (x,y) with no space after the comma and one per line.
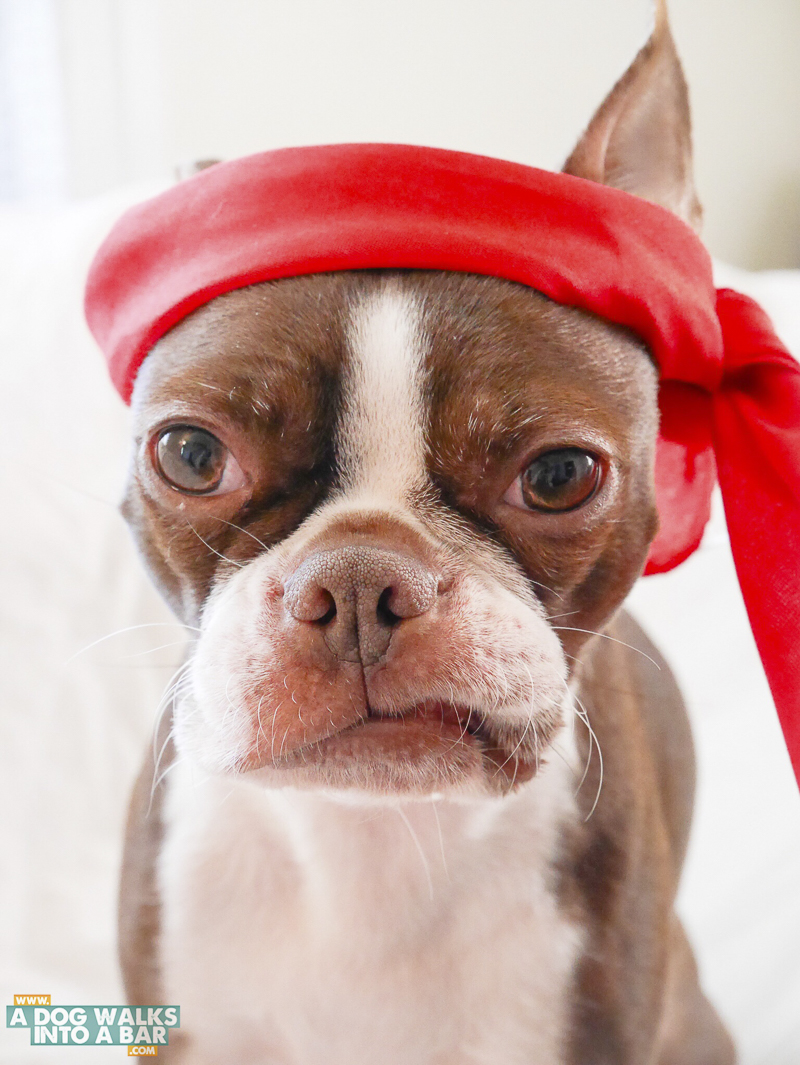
(396,504)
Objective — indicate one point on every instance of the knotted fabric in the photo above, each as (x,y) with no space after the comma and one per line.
(729,394)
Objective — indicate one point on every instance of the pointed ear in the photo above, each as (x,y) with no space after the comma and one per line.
(640,139)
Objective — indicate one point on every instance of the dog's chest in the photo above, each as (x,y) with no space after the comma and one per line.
(300,931)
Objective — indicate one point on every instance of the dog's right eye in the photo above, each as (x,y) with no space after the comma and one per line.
(193,460)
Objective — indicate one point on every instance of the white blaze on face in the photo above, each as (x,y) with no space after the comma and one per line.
(256,686)
(381,437)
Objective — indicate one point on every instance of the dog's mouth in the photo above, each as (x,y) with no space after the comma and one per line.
(433,720)
(435,714)
(434,741)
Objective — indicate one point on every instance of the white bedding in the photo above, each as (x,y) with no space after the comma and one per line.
(73,722)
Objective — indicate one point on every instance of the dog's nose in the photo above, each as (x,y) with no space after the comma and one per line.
(358,596)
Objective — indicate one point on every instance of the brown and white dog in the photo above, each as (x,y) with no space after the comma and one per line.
(408,808)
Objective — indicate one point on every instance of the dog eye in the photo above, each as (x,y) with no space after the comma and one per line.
(193,460)
(557,480)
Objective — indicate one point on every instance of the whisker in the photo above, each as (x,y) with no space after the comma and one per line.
(529,723)
(545,588)
(588,756)
(583,714)
(180,676)
(132,628)
(239,565)
(233,525)
(260,725)
(605,636)
(441,839)
(418,845)
(152,650)
(172,765)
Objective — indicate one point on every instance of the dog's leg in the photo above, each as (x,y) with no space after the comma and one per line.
(139,915)
(637,996)
(691,1032)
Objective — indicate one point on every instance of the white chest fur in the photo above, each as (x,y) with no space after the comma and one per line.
(301,930)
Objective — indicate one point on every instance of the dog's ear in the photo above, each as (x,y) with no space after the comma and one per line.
(640,138)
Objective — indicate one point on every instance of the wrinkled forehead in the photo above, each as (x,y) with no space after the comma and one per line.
(394,349)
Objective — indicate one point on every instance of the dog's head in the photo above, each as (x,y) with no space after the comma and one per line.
(395,504)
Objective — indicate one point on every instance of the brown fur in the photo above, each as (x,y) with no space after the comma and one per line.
(139,906)
(637,996)
(508,374)
(620,873)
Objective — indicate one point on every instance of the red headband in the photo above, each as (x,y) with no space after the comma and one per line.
(730,392)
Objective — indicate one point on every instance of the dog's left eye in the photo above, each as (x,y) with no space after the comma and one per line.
(193,460)
(556,481)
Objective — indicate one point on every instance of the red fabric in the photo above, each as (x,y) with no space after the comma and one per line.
(730,393)
(756,427)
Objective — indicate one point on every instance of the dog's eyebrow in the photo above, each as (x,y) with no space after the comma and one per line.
(260,395)
(494,425)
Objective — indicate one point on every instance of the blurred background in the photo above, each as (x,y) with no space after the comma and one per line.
(100,101)
(95,94)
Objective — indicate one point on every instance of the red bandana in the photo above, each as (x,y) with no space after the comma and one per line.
(730,392)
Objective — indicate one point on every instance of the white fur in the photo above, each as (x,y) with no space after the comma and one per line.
(380,444)
(500,657)
(300,929)
(312,927)
(500,654)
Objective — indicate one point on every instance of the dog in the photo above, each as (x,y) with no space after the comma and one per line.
(424,789)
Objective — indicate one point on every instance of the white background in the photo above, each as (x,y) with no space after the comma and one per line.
(97,94)
(141,85)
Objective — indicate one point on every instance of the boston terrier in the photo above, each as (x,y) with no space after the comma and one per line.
(423,789)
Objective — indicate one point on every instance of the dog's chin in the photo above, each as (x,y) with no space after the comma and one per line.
(430,751)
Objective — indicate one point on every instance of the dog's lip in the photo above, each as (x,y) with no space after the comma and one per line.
(435,719)
(436,711)
(461,723)
(430,727)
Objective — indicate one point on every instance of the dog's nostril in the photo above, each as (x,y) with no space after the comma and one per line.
(308,601)
(330,613)
(385,613)
(356,597)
